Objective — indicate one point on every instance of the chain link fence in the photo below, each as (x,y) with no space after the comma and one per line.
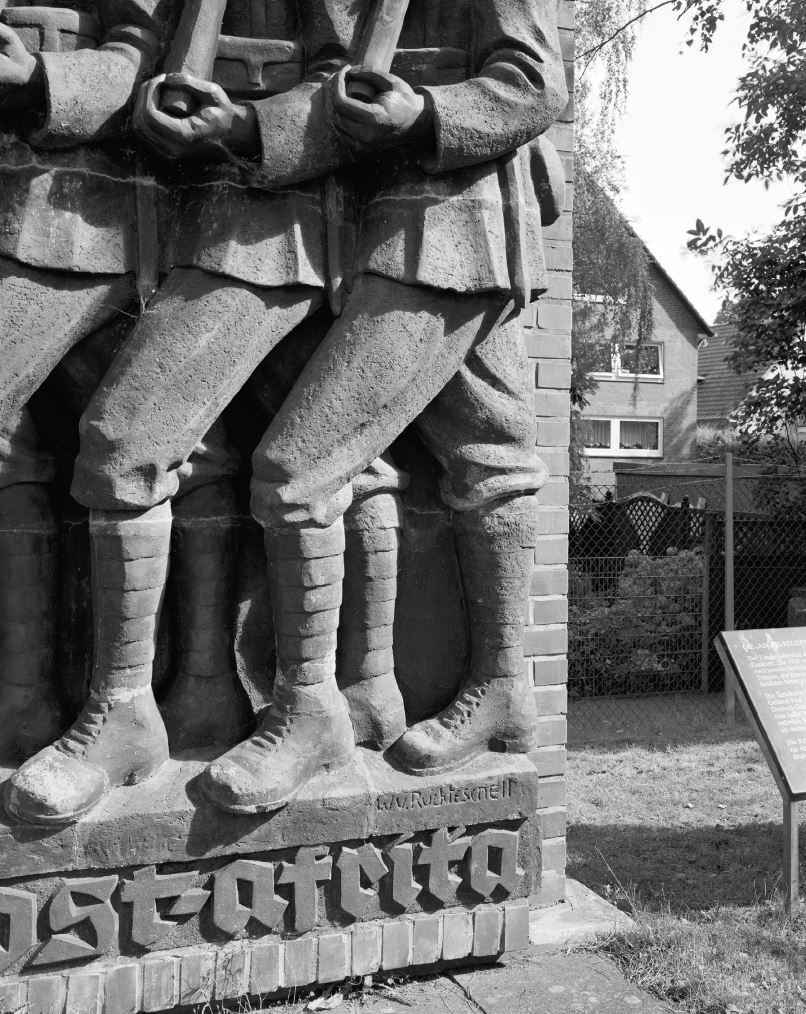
(651,584)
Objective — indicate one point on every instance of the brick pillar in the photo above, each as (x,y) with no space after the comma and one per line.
(548,337)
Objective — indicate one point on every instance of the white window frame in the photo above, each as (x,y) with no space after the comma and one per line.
(617,373)
(614,450)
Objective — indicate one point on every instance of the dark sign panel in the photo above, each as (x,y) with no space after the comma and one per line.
(770,671)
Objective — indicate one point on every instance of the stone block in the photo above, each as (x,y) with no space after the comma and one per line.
(551,580)
(300,962)
(397,939)
(565,15)
(552,521)
(551,549)
(196,976)
(549,670)
(47,994)
(457,934)
(487,937)
(554,493)
(553,821)
(559,256)
(516,925)
(549,344)
(549,760)
(231,972)
(122,992)
(552,431)
(562,228)
(553,853)
(426,939)
(560,283)
(551,403)
(550,732)
(367,944)
(160,983)
(546,639)
(554,316)
(552,700)
(551,890)
(13,998)
(548,609)
(334,957)
(551,792)
(553,373)
(85,994)
(556,460)
(265,969)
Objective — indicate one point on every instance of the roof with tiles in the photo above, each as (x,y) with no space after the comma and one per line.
(720,389)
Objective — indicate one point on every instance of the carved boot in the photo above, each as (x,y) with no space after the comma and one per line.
(119,738)
(30,714)
(307,728)
(495,710)
(366,664)
(206,704)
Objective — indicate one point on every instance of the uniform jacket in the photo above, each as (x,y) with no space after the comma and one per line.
(269,229)
(464,216)
(67,199)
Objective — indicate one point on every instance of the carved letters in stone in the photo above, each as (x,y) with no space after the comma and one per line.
(405,889)
(146,889)
(442,851)
(485,875)
(311,867)
(18,909)
(66,913)
(353,864)
(229,915)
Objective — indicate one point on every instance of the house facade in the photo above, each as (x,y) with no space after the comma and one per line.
(645,407)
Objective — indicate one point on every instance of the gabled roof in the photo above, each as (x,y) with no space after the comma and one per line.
(720,389)
(702,324)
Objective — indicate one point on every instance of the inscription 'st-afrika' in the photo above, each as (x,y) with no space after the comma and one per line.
(394,214)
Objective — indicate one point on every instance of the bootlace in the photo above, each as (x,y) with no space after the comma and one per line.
(273,731)
(463,708)
(86,728)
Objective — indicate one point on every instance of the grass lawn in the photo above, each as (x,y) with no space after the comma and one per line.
(676,819)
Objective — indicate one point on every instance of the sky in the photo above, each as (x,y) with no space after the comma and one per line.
(672,138)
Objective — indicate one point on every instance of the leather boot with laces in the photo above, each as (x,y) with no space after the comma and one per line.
(119,737)
(307,728)
(495,709)
(206,704)
(114,741)
(29,704)
(366,663)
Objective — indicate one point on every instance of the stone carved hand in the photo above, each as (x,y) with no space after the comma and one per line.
(217,128)
(396,116)
(20,73)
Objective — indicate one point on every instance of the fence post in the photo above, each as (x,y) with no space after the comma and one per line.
(730,693)
(705,616)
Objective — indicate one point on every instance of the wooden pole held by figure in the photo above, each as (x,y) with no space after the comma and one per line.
(193,50)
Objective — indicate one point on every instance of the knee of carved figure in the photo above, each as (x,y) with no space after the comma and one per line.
(117,475)
(287,494)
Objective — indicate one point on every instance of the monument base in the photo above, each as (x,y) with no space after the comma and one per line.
(368,869)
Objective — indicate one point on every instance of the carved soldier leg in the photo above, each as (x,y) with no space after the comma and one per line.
(307,728)
(206,703)
(28,700)
(165,389)
(353,398)
(482,430)
(495,709)
(119,737)
(366,663)
(43,314)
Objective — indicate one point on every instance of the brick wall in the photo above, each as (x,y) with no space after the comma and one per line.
(548,337)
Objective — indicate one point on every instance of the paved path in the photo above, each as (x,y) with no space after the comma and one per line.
(532,982)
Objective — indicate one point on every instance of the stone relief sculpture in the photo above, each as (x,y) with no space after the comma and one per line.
(350,195)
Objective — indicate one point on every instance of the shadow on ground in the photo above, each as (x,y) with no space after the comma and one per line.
(678,869)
